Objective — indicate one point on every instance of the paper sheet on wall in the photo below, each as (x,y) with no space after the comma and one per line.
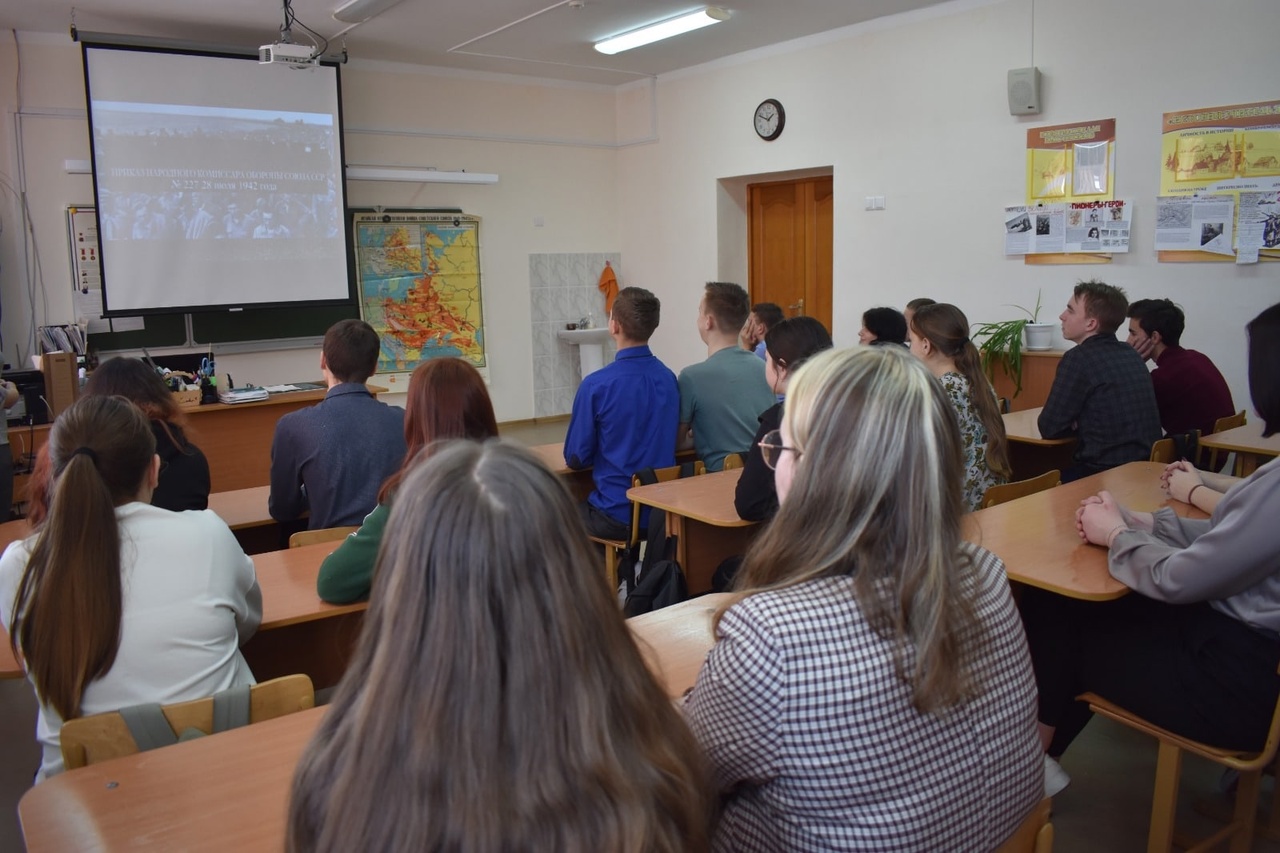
(86,267)
(1259,225)
(1082,226)
(1199,223)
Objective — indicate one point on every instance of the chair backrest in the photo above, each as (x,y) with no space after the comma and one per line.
(88,740)
(1020,489)
(325,534)
(1230,422)
(1033,835)
(733,461)
(1217,458)
(664,475)
(1164,451)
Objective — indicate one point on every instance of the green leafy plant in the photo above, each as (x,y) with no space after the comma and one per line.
(1002,342)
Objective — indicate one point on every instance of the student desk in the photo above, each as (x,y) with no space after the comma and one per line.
(236,439)
(580,480)
(1251,449)
(700,512)
(230,791)
(1030,455)
(1036,536)
(245,512)
(299,632)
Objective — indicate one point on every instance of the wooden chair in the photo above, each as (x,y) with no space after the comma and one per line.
(1164,800)
(1164,451)
(614,547)
(1222,425)
(88,740)
(1020,489)
(326,534)
(1033,835)
(733,461)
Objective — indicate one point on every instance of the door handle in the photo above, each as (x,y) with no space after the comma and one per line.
(797,308)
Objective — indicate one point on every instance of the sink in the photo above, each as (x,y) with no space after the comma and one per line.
(590,344)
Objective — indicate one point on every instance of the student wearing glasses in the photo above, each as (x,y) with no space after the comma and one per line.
(870,687)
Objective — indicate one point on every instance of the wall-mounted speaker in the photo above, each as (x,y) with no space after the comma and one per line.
(1024,91)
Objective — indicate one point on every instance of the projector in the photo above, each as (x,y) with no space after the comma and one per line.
(291,55)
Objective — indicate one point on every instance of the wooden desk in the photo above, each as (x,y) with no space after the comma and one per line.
(299,632)
(230,791)
(235,439)
(580,480)
(1030,454)
(1247,443)
(700,512)
(1036,536)
(1038,371)
(245,512)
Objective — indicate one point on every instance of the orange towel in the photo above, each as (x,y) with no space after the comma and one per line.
(609,287)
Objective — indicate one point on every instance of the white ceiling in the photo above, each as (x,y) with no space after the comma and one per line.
(538,38)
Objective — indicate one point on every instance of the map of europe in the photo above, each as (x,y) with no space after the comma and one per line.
(420,286)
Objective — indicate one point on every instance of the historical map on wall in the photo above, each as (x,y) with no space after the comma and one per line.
(419,277)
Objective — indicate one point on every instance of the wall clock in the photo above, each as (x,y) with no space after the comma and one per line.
(769,119)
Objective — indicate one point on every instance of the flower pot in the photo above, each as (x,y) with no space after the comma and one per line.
(1039,336)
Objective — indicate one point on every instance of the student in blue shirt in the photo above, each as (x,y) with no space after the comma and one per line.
(624,416)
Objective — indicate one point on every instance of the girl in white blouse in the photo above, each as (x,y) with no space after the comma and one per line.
(114,602)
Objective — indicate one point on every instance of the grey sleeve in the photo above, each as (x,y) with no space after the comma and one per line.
(1185,561)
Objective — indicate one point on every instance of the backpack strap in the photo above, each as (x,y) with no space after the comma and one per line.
(148,726)
(231,708)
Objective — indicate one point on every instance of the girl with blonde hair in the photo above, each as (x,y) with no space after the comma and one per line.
(871,687)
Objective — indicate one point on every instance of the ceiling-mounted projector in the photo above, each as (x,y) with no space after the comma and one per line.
(291,55)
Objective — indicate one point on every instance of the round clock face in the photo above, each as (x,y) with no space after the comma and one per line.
(769,119)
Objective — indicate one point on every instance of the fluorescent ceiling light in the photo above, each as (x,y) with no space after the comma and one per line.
(359,11)
(664,30)
(419,176)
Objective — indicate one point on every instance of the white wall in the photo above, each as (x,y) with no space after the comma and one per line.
(914,108)
(552,145)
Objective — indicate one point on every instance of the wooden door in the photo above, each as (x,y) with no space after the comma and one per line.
(790,228)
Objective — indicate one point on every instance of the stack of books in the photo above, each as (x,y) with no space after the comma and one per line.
(242,395)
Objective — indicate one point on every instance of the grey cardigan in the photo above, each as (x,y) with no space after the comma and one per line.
(1231,560)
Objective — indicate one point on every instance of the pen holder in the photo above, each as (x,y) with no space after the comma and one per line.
(208,391)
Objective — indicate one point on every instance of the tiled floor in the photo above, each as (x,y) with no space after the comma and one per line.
(1105,810)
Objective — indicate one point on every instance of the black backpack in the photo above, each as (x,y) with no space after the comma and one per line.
(658,580)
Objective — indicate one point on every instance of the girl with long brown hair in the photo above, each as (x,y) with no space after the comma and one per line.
(184,471)
(446,399)
(871,688)
(940,338)
(496,701)
(114,602)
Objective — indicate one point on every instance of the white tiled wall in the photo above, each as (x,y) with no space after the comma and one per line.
(563,289)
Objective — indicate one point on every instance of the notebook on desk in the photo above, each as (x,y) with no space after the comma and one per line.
(242,395)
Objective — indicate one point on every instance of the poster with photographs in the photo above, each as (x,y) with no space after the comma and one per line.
(1099,227)
(1198,223)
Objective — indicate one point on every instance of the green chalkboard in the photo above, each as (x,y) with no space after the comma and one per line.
(266,324)
(162,330)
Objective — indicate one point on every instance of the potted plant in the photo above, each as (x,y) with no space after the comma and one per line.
(1002,341)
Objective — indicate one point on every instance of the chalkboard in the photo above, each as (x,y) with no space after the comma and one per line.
(265,324)
(225,327)
(162,330)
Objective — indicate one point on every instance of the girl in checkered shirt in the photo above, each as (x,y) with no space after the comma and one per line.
(871,688)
